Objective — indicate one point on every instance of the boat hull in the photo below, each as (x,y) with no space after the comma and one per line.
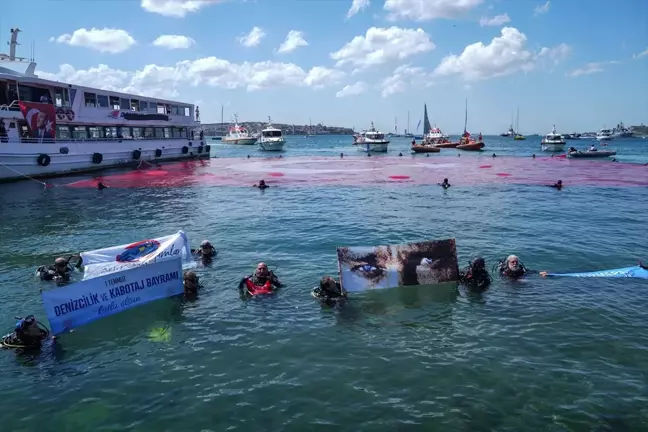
(552,147)
(271,145)
(18,160)
(594,154)
(239,141)
(604,138)
(446,145)
(471,146)
(373,147)
(425,149)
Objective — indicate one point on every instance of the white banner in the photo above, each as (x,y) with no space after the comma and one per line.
(113,259)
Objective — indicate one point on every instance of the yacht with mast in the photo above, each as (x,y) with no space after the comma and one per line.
(467,142)
(238,135)
(50,128)
(518,136)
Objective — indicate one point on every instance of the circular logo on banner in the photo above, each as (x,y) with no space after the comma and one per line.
(137,251)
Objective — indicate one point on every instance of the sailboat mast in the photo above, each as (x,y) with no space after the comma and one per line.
(466,117)
(517,122)
(222,118)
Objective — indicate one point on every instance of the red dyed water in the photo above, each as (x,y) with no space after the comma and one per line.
(362,171)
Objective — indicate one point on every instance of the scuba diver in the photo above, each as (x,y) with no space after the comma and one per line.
(512,268)
(329,292)
(60,271)
(263,281)
(475,276)
(28,333)
(262,185)
(206,251)
(445,184)
(558,185)
(191,283)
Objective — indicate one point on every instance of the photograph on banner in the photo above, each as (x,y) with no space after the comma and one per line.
(377,267)
(112,259)
(78,304)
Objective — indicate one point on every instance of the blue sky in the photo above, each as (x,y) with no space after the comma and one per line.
(559,62)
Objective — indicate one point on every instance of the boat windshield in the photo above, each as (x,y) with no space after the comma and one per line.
(272,134)
(375,136)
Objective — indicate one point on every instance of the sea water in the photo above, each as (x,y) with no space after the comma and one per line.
(539,354)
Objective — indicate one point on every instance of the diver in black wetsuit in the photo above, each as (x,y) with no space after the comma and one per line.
(445,184)
(512,268)
(60,271)
(27,334)
(475,276)
(558,185)
(191,283)
(262,185)
(329,292)
(206,251)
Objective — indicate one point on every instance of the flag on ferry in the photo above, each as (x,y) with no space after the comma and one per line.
(40,118)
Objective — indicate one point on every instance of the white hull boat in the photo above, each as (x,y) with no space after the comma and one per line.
(604,135)
(372,141)
(239,135)
(271,138)
(553,142)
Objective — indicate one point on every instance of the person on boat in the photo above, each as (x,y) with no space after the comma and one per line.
(329,292)
(205,251)
(60,271)
(558,185)
(475,276)
(480,138)
(261,276)
(26,334)
(512,268)
(571,150)
(592,148)
(262,185)
(191,283)
(445,184)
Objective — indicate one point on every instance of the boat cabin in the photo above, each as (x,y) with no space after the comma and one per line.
(271,133)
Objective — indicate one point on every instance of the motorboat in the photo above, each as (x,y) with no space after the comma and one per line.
(553,142)
(372,141)
(591,153)
(238,135)
(271,138)
(604,135)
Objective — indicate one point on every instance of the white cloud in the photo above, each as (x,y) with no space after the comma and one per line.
(403,77)
(175,8)
(382,45)
(497,20)
(641,54)
(591,68)
(320,77)
(164,81)
(505,55)
(294,40)
(104,40)
(253,38)
(542,9)
(357,6)
(174,42)
(425,10)
(352,90)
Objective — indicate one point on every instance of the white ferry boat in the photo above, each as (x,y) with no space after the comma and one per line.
(604,135)
(372,141)
(238,135)
(553,142)
(271,138)
(50,128)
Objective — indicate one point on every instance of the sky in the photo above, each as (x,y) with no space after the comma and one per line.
(579,65)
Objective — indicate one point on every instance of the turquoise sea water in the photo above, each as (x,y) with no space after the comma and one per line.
(539,354)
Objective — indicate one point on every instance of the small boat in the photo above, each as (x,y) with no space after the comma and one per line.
(271,138)
(238,135)
(553,142)
(591,154)
(425,148)
(467,142)
(518,136)
(372,141)
(471,146)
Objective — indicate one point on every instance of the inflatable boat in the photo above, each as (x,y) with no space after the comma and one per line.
(591,154)
(425,149)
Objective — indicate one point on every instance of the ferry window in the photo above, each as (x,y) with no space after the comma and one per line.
(102,101)
(174,110)
(124,132)
(137,133)
(95,132)
(90,99)
(159,133)
(148,133)
(152,107)
(187,111)
(63,132)
(161,109)
(143,106)
(167,132)
(79,132)
(135,105)
(61,97)
(114,102)
(26,93)
(182,133)
(111,132)
(175,132)
(124,103)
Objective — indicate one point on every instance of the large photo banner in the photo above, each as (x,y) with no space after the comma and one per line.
(74,305)
(40,118)
(376,267)
(100,262)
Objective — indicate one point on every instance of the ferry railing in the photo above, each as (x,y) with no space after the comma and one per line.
(13,106)
(30,140)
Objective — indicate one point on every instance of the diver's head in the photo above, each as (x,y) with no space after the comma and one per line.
(512,262)
(262,269)
(445,180)
(191,282)
(61,265)
(206,247)
(28,327)
(328,285)
(261,182)
(559,182)
(478,264)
